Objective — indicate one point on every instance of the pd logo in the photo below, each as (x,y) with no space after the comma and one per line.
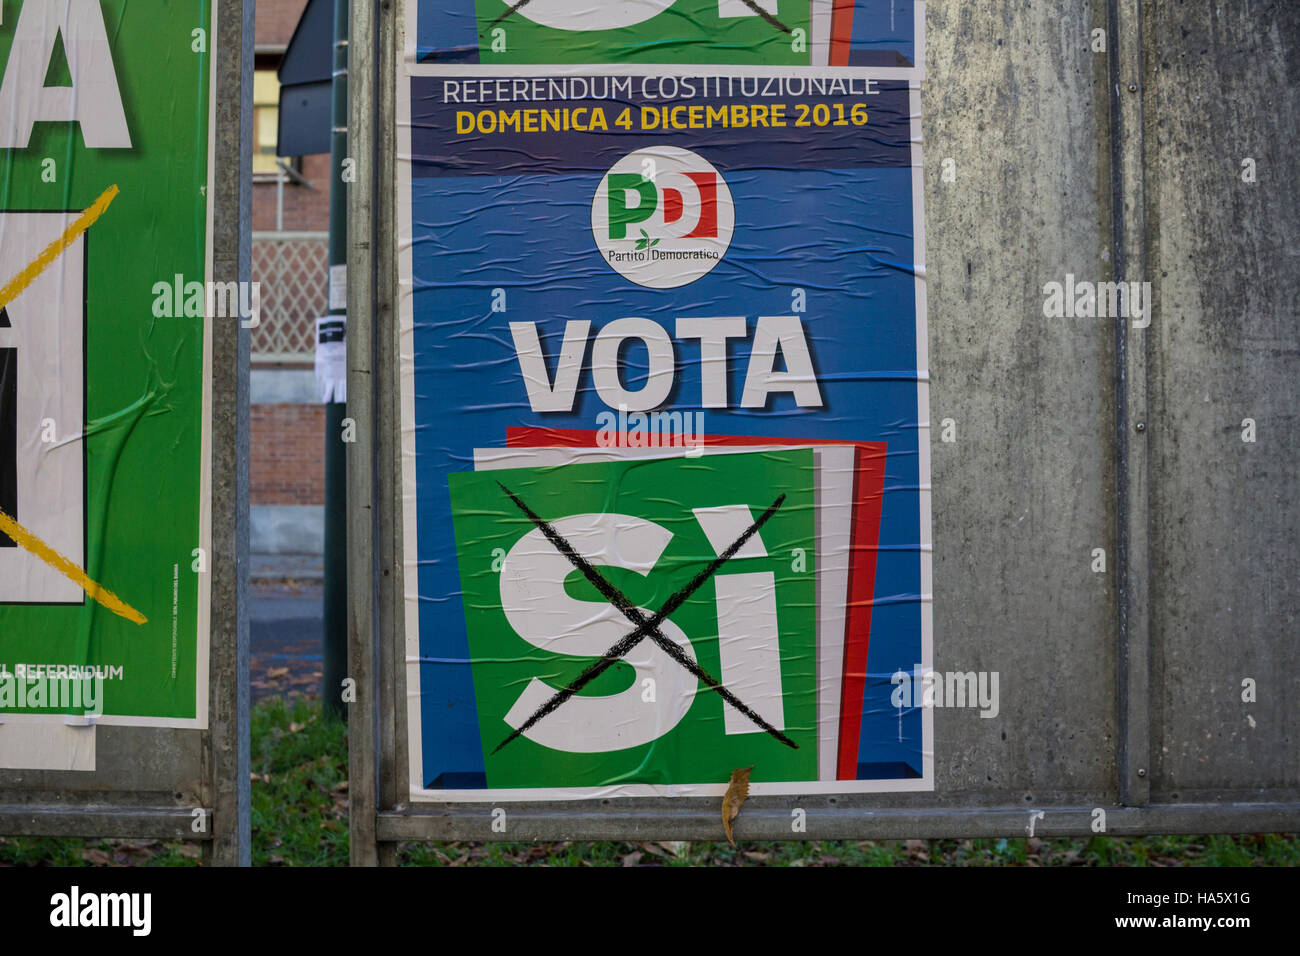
(662,217)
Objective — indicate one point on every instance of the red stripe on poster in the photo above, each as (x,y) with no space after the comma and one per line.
(868,496)
(841,32)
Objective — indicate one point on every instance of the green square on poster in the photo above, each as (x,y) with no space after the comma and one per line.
(665,31)
(649,527)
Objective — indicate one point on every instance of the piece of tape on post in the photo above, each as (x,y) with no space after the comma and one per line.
(43,744)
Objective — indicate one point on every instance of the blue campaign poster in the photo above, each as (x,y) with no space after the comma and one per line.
(606,274)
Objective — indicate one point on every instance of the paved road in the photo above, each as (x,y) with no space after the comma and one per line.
(285,630)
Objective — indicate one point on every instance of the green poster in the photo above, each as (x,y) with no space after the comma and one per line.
(651,31)
(650,528)
(104,222)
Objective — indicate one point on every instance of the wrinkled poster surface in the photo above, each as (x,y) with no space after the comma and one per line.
(105,314)
(665,430)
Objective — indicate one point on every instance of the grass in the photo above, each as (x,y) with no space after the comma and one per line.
(300,805)
(300,789)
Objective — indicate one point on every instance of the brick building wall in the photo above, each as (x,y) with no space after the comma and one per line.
(306,209)
(287,433)
(290,441)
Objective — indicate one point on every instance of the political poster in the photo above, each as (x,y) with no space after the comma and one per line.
(664,433)
(105,318)
(496,34)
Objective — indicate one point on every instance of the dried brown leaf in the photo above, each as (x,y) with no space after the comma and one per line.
(736,795)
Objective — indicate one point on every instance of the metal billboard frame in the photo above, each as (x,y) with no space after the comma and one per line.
(135,796)
(381,814)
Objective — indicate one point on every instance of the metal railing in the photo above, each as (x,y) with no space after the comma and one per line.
(293,269)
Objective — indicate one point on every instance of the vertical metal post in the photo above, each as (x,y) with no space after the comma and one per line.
(390,599)
(228,723)
(362,739)
(334,650)
(1132,561)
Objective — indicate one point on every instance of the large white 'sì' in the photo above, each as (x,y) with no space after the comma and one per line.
(541,612)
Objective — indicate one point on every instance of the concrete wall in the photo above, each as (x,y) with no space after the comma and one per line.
(1020,102)
(1015,97)
(1225,346)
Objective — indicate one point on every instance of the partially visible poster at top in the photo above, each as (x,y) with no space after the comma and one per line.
(493,34)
